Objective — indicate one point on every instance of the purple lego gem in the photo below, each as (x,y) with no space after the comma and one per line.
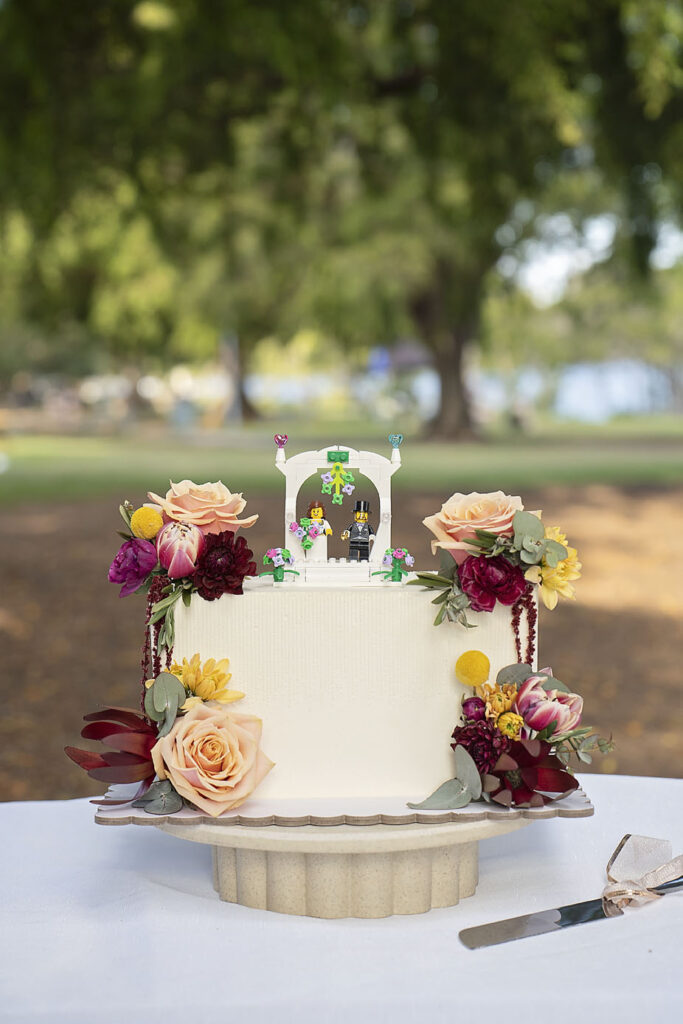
(281,440)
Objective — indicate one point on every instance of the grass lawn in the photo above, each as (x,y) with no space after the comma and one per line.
(60,468)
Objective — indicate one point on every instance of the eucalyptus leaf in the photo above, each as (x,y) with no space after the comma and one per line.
(187,598)
(466,772)
(440,598)
(160,798)
(440,616)
(527,525)
(167,690)
(554,553)
(125,515)
(447,566)
(448,796)
(514,674)
(552,683)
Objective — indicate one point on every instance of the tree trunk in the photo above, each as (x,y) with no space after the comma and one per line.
(447,334)
(454,418)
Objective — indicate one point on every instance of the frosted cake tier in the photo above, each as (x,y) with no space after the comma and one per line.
(356,687)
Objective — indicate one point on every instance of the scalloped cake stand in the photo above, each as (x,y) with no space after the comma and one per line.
(371,863)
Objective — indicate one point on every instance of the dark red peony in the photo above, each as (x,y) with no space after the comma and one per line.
(528,775)
(222,565)
(483,742)
(487,580)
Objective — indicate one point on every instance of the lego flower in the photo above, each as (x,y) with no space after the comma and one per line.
(179,546)
(213,758)
(210,507)
(542,708)
(487,580)
(133,563)
(409,560)
(463,514)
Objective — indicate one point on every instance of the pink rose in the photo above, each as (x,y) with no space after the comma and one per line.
(462,514)
(540,708)
(179,546)
(213,758)
(211,507)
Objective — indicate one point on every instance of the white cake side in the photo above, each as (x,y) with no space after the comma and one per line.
(356,687)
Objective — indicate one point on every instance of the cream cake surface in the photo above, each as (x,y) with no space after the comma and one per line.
(355,686)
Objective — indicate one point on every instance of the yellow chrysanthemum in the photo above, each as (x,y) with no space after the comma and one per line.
(510,724)
(557,582)
(205,682)
(499,698)
(472,668)
(146,523)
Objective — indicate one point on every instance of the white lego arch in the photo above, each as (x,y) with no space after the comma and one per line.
(377,468)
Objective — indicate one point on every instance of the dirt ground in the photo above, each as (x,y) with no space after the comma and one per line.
(69,644)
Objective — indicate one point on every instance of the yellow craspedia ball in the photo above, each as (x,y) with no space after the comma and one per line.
(472,668)
(146,523)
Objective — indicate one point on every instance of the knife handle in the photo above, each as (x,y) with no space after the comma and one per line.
(675,883)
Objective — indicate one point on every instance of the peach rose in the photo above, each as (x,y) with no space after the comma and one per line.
(211,507)
(213,758)
(462,514)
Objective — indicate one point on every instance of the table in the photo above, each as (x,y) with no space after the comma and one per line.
(106,925)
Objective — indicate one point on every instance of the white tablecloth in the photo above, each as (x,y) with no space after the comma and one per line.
(122,925)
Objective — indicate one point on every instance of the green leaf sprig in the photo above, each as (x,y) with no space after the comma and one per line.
(160,798)
(453,603)
(464,787)
(163,701)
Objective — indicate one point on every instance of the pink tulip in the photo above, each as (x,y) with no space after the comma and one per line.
(540,708)
(179,545)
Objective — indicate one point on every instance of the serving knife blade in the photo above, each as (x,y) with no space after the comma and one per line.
(548,920)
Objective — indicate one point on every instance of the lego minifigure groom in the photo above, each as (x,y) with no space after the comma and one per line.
(359,534)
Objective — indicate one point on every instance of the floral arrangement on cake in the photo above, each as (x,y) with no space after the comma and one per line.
(515,738)
(306,531)
(494,552)
(178,545)
(278,559)
(200,753)
(397,563)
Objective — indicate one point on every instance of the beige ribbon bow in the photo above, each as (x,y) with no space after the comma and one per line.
(638,864)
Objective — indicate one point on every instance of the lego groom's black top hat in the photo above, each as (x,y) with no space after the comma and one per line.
(362,506)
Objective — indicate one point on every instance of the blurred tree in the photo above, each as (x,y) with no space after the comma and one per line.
(188,169)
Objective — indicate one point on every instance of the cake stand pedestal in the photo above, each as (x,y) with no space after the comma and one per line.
(365,871)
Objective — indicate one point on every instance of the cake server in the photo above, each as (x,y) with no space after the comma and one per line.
(550,920)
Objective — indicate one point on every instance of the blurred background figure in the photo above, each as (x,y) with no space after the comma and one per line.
(460,221)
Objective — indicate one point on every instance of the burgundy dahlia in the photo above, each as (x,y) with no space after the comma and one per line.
(133,563)
(483,742)
(528,775)
(487,580)
(222,565)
